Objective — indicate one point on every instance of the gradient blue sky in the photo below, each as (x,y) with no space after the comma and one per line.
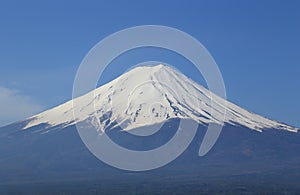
(255,43)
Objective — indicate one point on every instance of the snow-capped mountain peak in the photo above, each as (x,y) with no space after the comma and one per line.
(150,95)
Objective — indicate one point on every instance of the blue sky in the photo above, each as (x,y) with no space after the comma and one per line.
(255,43)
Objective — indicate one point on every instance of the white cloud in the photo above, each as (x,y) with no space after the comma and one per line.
(16,106)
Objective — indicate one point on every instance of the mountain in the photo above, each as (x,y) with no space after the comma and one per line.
(252,155)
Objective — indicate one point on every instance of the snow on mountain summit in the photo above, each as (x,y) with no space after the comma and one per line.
(150,95)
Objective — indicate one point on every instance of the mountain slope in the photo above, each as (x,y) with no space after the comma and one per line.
(58,161)
(151,95)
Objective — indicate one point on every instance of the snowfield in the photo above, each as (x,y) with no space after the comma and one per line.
(150,95)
